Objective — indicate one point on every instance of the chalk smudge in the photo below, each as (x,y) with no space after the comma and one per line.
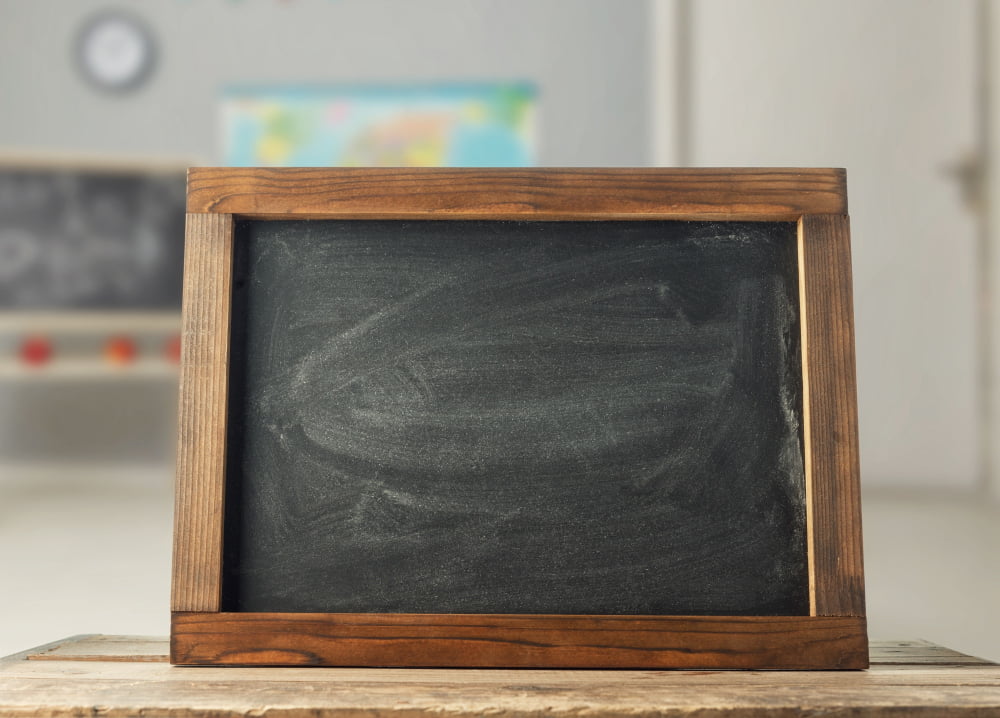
(520,417)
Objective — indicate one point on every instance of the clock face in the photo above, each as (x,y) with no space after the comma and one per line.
(115,51)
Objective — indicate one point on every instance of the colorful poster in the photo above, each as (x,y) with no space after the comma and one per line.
(488,125)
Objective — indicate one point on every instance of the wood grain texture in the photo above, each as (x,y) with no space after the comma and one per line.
(101,647)
(541,194)
(919,653)
(197,567)
(833,638)
(104,648)
(918,679)
(523,641)
(832,467)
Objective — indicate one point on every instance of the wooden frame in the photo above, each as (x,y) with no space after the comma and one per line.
(832,636)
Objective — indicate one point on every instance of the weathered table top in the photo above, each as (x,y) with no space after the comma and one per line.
(114,676)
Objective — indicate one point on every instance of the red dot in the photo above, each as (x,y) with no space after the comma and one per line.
(36,350)
(120,350)
(172,349)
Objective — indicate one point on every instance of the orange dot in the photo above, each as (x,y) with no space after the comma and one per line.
(36,351)
(172,349)
(120,350)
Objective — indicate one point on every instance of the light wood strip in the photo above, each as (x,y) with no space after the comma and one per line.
(105,648)
(919,685)
(197,572)
(806,423)
(552,194)
(518,641)
(713,695)
(920,653)
(834,468)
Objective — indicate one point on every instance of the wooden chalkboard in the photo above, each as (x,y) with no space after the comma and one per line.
(549,418)
(90,237)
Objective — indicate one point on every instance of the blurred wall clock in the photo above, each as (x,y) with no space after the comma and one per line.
(115,51)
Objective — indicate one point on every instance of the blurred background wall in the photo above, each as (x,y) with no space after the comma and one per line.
(900,92)
(595,103)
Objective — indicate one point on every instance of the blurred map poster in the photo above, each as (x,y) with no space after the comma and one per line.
(486,125)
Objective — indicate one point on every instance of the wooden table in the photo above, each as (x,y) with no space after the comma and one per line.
(112,676)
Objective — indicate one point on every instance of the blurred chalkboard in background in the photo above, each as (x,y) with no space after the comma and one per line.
(91,238)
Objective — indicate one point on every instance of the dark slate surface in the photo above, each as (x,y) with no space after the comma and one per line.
(516,417)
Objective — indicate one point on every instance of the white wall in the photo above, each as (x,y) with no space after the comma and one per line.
(991,255)
(588,58)
(887,90)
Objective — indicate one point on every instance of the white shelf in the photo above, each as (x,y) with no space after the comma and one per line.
(89,322)
(88,369)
